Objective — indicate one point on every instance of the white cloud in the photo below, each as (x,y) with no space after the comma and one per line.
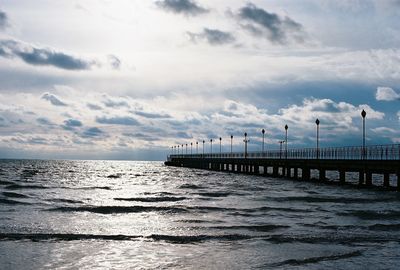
(386,94)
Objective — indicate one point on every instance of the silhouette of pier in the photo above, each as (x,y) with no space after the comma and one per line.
(298,163)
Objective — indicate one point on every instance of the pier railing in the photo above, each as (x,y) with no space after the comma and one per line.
(372,152)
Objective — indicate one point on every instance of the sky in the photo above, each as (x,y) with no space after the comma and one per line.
(129,79)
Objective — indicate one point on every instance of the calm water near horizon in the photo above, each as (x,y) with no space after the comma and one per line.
(144,215)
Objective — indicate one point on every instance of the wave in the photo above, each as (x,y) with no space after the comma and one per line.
(344,238)
(11,202)
(119,209)
(63,237)
(17,186)
(190,186)
(187,239)
(3,182)
(162,193)
(317,199)
(300,262)
(176,239)
(152,199)
(14,195)
(139,208)
(114,176)
(257,228)
(184,239)
(89,188)
(384,227)
(372,215)
(28,173)
(214,194)
(64,200)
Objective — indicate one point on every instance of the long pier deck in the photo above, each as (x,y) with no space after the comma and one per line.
(298,163)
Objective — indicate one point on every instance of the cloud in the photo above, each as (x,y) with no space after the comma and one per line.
(71,123)
(118,120)
(276,29)
(44,121)
(3,20)
(212,36)
(386,94)
(186,7)
(42,56)
(92,132)
(115,103)
(53,99)
(141,136)
(94,107)
(114,62)
(152,115)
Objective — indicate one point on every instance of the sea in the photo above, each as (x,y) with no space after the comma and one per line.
(61,214)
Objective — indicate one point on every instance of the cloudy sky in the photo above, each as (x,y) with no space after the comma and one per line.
(128,79)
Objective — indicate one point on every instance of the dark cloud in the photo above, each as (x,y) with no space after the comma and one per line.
(114,61)
(152,115)
(270,25)
(186,7)
(115,103)
(44,121)
(183,135)
(3,20)
(212,36)
(72,123)
(94,107)
(53,99)
(117,120)
(92,132)
(141,136)
(42,57)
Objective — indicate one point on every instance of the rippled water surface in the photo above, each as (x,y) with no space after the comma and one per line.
(144,215)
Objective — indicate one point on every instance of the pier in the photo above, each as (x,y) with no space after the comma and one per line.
(366,161)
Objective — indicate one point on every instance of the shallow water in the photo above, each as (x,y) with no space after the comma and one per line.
(144,215)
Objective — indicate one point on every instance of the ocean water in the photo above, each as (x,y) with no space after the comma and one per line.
(144,215)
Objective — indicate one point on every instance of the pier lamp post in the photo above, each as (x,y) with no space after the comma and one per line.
(245,144)
(286,128)
(203,147)
(263,134)
(363,114)
(186,150)
(178,150)
(220,147)
(182,149)
(211,147)
(317,123)
(191,148)
(231,144)
(197,148)
(280,149)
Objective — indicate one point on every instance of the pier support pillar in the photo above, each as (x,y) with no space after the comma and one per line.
(295,173)
(398,181)
(265,170)
(361,178)
(305,173)
(368,179)
(288,172)
(322,175)
(386,180)
(342,176)
(256,169)
(275,171)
